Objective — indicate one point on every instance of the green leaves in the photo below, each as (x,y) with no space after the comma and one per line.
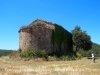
(60,37)
(33,52)
(81,39)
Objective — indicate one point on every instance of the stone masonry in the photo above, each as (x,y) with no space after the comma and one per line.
(37,34)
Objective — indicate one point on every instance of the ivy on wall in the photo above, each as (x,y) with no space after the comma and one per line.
(61,36)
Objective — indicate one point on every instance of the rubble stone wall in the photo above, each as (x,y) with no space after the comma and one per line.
(38,37)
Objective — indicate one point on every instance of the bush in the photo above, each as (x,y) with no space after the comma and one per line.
(88,53)
(33,53)
(27,53)
(82,52)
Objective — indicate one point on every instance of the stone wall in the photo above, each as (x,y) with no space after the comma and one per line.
(24,40)
(38,37)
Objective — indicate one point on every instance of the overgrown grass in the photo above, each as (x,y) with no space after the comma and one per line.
(77,67)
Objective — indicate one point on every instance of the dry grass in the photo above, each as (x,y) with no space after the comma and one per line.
(76,67)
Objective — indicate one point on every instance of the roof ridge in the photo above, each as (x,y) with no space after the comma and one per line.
(43,21)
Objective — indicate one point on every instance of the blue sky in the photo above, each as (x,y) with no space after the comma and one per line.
(67,13)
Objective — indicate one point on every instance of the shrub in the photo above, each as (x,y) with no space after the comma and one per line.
(82,52)
(88,53)
(26,53)
(33,53)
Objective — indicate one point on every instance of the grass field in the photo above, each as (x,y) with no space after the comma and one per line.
(76,67)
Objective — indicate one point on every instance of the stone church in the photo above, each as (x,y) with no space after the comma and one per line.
(38,35)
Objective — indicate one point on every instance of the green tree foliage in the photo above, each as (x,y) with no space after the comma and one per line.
(81,39)
(95,48)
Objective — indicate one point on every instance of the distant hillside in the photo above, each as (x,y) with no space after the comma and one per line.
(5,52)
(95,48)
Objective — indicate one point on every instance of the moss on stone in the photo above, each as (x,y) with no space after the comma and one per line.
(61,36)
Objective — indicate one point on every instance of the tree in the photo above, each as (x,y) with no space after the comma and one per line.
(81,39)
